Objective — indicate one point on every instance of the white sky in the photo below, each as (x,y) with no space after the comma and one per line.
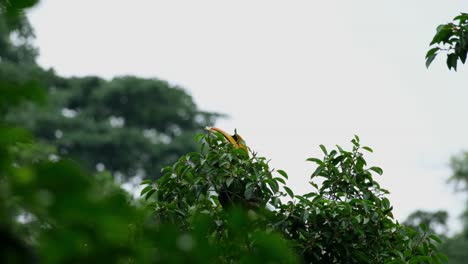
(291,75)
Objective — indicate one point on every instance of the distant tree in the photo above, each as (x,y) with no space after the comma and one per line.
(455,247)
(129,126)
(435,222)
(459,164)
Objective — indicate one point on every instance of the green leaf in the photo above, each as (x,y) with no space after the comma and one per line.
(377,170)
(430,59)
(318,161)
(146,189)
(452,61)
(435,238)
(443,257)
(318,171)
(432,52)
(356,137)
(289,191)
(424,227)
(283,173)
(199,137)
(280,180)
(462,18)
(229,181)
(305,215)
(444,32)
(323,149)
(146,182)
(358,218)
(314,185)
(368,149)
(462,55)
(273,185)
(148,194)
(249,188)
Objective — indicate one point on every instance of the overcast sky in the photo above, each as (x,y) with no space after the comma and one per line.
(291,75)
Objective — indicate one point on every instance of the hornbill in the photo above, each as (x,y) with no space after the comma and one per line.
(234,193)
(236,140)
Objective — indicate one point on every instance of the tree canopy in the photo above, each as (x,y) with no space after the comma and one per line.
(128,125)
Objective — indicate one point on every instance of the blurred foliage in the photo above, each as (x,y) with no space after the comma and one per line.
(455,246)
(459,166)
(127,125)
(456,249)
(452,39)
(16,32)
(436,222)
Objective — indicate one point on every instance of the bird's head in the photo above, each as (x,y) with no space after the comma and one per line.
(236,140)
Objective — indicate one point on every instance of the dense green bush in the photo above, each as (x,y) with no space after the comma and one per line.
(345,220)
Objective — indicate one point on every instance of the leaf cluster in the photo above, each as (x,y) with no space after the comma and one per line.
(452,39)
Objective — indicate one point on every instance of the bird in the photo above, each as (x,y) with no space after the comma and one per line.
(233,194)
(236,140)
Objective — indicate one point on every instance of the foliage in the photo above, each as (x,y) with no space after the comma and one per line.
(68,216)
(16,32)
(452,39)
(459,166)
(455,248)
(436,222)
(346,220)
